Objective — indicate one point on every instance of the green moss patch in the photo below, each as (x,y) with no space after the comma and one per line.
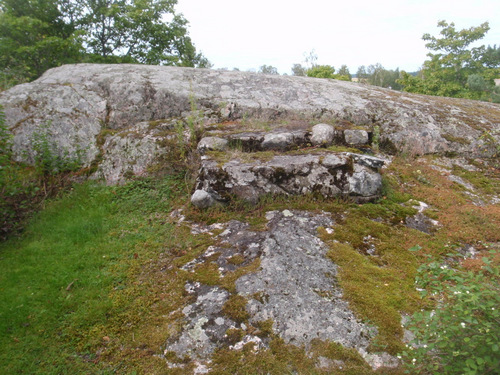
(235,308)
(487,181)
(451,138)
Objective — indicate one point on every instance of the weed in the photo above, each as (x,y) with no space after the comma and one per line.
(490,142)
(376,138)
(22,188)
(49,159)
(461,335)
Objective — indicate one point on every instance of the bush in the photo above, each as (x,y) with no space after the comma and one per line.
(48,158)
(23,188)
(462,334)
(321,71)
(16,191)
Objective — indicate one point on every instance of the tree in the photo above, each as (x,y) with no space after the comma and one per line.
(321,71)
(268,69)
(39,34)
(312,69)
(452,61)
(299,70)
(491,57)
(33,38)
(361,74)
(343,73)
(377,75)
(136,30)
(311,59)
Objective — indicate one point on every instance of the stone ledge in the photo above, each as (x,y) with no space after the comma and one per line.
(331,174)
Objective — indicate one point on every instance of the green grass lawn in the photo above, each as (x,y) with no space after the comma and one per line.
(57,280)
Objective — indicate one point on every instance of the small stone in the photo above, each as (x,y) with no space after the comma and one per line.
(212,144)
(202,199)
(219,321)
(368,161)
(277,141)
(356,136)
(322,135)
(287,213)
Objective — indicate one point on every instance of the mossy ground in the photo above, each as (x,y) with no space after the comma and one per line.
(95,285)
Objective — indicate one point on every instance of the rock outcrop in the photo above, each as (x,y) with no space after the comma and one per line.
(293,291)
(329,174)
(265,135)
(85,103)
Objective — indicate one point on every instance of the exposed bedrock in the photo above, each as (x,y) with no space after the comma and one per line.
(294,288)
(327,173)
(84,103)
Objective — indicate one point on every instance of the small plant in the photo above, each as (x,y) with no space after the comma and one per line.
(188,130)
(376,138)
(23,188)
(5,147)
(194,120)
(462,334)
(16,189)
(49,159)
(179,138)
(489,141)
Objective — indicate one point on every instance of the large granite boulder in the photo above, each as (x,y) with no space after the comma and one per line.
(82,102)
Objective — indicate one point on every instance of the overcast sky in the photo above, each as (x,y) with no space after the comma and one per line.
(248,34)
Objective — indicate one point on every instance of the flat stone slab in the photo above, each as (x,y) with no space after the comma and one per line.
(277,140)
(294,287)
(297,284)
(327,173)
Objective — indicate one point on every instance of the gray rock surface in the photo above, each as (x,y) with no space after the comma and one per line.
(420,221)
(202,199)
(297,282)
(82,100)
(206,326)
(212,144)
(277,141)
(295,286)
(322,134)
(130,152)
(356,136)
(330,174)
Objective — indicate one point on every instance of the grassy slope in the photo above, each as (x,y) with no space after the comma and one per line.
(69,286)
(94,285)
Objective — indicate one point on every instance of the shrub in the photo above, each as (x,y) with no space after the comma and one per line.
(462,334)
(15,193)
(48,157)
(23,188)
(321,71)
(5,147)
